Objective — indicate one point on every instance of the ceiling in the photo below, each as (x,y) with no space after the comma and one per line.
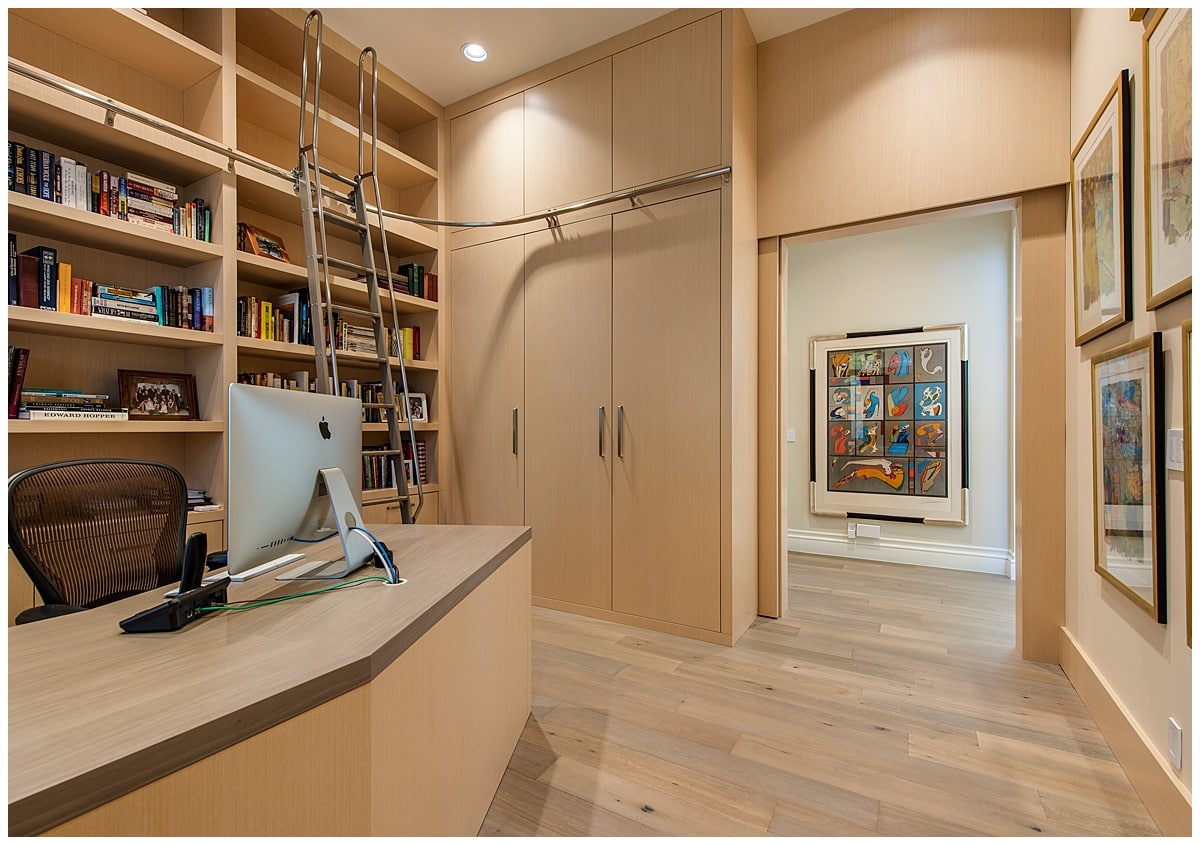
(424,45)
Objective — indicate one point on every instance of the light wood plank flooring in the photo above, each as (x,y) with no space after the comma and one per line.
(889,702)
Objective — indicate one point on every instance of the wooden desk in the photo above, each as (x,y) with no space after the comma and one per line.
(378,709)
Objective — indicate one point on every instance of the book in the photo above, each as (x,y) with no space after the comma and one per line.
(287,307)
(28,280)
(152,186)
(64,287)
(18,165)
(46,175)
(13,279)
(66,176)
(105,414)
(18,363)
(31,170)
(47,276)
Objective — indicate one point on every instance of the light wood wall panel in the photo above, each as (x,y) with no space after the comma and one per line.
(487,155)
(667,105)
(666,357)
(1040,380)
(488,350)
(772,454)
(877,112)
(569,137)
(568,379)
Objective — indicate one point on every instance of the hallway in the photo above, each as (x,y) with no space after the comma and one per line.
(888,702)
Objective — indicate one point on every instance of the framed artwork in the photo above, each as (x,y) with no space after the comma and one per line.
(158,396)
(1187,467)
(889,436)
(1100,217)
(1130,541)
(1167,95)
(257,242)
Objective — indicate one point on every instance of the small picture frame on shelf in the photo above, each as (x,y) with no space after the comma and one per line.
(158,396)
(1100,218)
(418,408)
(410,473)
(255,241)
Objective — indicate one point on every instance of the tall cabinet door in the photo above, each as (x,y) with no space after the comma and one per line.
(487,336)
(568,388)
(667,386)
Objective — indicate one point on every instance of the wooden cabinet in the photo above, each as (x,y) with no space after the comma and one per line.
(487,151)
(667,105)
(487,392)
(569,137)
(666,560)
(569,411)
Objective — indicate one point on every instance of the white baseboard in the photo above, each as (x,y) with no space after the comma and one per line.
(900,550)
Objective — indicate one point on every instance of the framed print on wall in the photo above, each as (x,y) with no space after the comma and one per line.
(1100,217)
(1187,468)
(1130,539)
(1167,94)
(888,422)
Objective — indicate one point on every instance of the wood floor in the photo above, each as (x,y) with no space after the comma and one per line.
(889,702)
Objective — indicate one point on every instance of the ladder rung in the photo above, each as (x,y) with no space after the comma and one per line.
(340,219)
(350,309)
(325,172)
(345,265)
(384,452)
(387,499)
(379,405)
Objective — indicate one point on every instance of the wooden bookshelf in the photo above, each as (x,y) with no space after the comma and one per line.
(229,76)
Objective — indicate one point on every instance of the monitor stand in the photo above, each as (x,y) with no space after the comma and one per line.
(357,550)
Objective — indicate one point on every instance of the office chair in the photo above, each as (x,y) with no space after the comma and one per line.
(90,532)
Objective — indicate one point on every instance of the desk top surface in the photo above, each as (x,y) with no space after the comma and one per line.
(94,712)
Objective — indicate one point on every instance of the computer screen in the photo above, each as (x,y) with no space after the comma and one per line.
(279,443)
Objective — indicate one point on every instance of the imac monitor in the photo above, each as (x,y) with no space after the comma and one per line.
(295,474)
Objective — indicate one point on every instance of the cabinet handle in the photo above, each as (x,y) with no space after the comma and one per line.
(514,431)
(620,441)
(600,433)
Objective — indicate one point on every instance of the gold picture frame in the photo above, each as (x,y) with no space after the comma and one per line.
(258,242)
(1100,233)
(1127,481)
(1167,136)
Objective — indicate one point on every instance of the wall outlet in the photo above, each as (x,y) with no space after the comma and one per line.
(850,531)
(868,531)
(791,435)
(1175,449)
(1175,743)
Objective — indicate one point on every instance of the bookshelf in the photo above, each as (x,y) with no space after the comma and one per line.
(232,77)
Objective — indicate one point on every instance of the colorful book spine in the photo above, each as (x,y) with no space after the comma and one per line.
(18,363)
(47,276)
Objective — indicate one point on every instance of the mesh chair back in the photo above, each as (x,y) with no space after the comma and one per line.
(94,531)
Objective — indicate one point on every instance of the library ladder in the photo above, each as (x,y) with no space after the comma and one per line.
(321,209)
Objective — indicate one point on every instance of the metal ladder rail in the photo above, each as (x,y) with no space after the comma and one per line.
(389,408)
(313,195)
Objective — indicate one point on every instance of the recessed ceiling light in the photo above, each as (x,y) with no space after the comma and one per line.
(474,52)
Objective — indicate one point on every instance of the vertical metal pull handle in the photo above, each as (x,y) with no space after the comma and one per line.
(620,440)
(600,432)
(514,431)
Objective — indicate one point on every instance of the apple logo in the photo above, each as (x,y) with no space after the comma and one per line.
(324,427)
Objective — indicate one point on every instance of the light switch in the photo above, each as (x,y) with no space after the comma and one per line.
(791,435)
(1175,449)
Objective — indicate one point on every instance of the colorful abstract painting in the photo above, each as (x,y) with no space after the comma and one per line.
(891,405)
(1128,530)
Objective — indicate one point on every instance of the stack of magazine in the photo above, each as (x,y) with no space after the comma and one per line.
(47,404)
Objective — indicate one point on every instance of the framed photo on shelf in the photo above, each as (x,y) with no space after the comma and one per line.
(1167,113)
(888,424)
(158,396)
(1100,234)
(410,473)
(1130,541)
(257,242)
(418,408)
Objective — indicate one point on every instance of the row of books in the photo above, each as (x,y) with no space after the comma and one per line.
(377,469)
(413,280)
(56,404)
(287,318)
(132,197)
(38,279)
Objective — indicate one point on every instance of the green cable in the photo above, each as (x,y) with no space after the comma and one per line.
(250,605)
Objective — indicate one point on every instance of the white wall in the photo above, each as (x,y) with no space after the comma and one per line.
(934,273)
(1147,666)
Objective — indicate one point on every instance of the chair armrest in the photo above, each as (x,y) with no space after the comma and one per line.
(46,611)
